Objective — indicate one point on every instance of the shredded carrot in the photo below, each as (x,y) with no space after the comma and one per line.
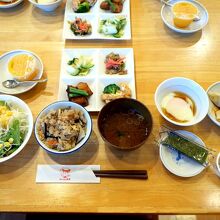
(52,142)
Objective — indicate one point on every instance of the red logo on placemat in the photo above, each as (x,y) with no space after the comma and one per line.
(65,174)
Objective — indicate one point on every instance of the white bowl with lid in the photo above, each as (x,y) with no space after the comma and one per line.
(48,7)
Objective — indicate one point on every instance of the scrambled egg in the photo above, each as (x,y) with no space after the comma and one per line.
(5,115)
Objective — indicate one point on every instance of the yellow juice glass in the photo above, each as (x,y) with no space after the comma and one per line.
(184,13)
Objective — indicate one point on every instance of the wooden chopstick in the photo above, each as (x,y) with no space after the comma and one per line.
(128,174)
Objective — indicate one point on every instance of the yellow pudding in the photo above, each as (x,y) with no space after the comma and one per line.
(184,13)
(23,67)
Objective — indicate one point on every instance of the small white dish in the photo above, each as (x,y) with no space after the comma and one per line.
(61,105)
(180,164)
(11,5)
(213,88)
(28,112)
(47,7)
(167,17)
(126,31)
(96,79)
(5,75)
(191,89)
(126,7)
(68,33)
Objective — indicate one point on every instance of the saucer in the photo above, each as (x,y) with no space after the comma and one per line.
(178,163)
(167,17)
(5,75)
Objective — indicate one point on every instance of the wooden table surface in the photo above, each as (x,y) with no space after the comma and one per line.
(159,54)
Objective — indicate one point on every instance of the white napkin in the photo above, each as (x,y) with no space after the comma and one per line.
(67,174)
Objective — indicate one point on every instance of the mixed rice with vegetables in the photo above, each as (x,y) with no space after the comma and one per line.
(62,129)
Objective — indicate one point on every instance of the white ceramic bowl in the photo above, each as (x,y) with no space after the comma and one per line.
(213,88)
(27,110)
(218,163)
(191,89)
(64,104)
(47,7)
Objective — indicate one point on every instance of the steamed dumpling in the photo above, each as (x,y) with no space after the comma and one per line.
(215,98)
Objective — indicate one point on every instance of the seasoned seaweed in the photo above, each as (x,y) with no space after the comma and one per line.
(186,147)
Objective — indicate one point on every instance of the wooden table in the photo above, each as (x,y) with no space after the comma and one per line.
(159,54)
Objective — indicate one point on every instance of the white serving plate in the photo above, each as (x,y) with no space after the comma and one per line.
(167,17)
(12,4)
(182,166)
(96,79)
(94,16)
(5,75)
(213,88)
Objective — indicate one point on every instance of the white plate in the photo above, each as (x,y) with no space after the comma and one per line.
(213,88)
(12,4)
(180,164)
(96,79)
(93,17)
(4,73)
(167,16)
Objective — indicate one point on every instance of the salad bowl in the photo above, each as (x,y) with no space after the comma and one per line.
(16,125)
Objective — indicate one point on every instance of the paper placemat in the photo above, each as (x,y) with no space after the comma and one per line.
(67,174)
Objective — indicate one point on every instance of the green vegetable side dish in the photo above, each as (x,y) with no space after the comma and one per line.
(186,147)
(13,128)
(83,7)
(77,92)
(113,27)
(111,89)
(80,66)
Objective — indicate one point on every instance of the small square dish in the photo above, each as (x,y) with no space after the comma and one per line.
(72,25)
(125,7)
(115,27)
(86,58)
(97,78)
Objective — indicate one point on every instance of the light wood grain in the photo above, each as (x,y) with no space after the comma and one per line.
(159,54)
